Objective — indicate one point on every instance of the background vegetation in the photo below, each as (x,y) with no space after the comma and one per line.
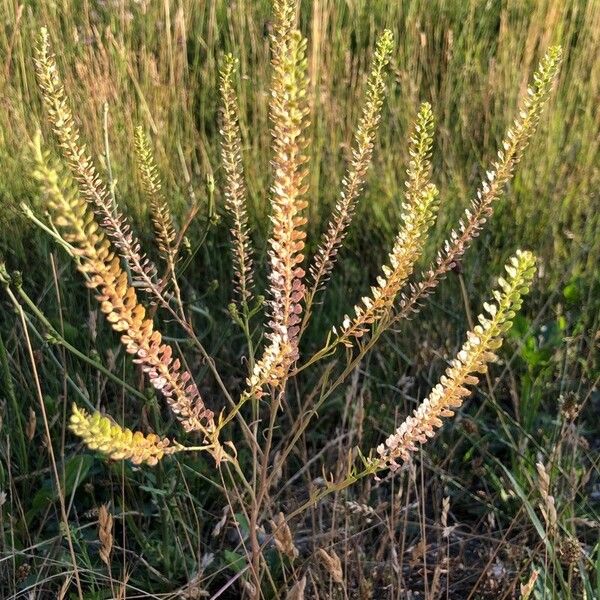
(156,64)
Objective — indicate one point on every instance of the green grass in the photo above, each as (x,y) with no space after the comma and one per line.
(158,66)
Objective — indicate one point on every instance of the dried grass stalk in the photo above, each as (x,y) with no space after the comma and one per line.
(333,564)
(284,541)
(105,533)
(548,505)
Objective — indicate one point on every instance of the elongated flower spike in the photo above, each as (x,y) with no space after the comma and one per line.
(289,112)
(418,215)
(491,189)
(235,189)
(83,170)
(421,143)
(103,434)
(164,230)
(476,353)
(271,369)
(354,180)
(284,15)
(119,301)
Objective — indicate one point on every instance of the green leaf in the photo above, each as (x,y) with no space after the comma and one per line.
(572,293)
(243,525)
(76,472)
(234,560)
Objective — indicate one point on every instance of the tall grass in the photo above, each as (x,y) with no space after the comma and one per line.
(501,502)
(156,64)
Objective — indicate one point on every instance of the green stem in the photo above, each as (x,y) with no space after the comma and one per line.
(61,340)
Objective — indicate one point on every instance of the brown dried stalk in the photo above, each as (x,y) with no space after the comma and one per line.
(548,505)
(282,535)
(105,533)
(332,563)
